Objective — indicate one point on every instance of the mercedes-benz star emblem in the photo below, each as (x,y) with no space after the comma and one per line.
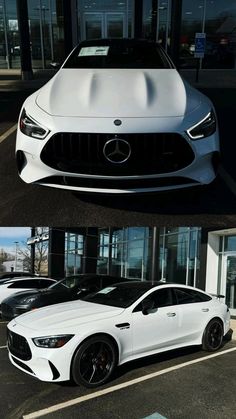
(117,150)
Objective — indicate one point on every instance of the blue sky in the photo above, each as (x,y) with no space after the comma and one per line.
(9,235)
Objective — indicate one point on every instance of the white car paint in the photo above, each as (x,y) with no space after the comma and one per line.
(166,328)
(90,100)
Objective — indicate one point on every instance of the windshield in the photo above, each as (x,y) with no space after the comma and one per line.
(118,54)
(69,283)
(122,295)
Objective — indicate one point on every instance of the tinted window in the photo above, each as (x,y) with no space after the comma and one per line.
(44,283)
(162,298)
(34,283)
(117,54)
(121,295)
(187,296)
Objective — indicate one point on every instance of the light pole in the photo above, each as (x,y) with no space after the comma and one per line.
(16,245)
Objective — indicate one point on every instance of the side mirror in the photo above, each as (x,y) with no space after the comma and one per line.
(55,65)
(147,305)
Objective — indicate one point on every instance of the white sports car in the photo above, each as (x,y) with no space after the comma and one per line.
(86,339)
(117,118)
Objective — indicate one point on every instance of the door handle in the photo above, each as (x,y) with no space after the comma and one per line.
(171,314)
(205,310)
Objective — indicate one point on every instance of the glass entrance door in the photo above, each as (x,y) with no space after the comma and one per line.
(104,25)
(229,282)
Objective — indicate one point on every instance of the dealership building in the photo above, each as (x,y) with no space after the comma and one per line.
(194,256)
(51,28)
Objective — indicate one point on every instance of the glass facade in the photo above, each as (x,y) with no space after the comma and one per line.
(105,18)
(179,259)
(115,18)
(217,18)
(129,252)
(74,250)
(124,252)
(46,33)
(227,270)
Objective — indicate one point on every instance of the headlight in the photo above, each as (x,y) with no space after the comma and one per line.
(52,341)
(31,128)
(26,300)
(204,128)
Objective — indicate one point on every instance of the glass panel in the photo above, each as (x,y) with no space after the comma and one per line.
(218,21)
(115,25)
(93,26)
(230,243)
(231,282)
(175,257)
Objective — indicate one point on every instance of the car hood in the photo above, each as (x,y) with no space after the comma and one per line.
(117,93)
(18,296)
(66,315)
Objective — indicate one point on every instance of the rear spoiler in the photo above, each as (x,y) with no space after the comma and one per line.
(219,296)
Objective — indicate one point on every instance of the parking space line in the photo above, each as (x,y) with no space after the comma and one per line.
(3,322)
(155,415)
(8,133)
(121,386)
(3,347)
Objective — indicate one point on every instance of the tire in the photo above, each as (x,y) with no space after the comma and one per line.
(94,362)
(213,336)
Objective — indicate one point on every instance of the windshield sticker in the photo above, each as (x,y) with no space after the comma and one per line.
(106,290)
(90,51)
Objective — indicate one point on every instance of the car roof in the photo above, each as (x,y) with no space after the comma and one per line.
(18,280)
(119,41)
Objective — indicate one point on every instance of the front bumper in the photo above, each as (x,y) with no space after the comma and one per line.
(200,171)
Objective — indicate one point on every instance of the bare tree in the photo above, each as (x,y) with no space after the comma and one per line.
(41,253)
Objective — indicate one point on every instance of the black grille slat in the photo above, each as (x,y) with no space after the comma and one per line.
(151,153)
(18,346)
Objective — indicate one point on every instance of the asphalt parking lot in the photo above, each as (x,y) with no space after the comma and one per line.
(33,205)
(178,384)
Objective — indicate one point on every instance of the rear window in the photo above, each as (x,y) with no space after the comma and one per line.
(188,296)
(118,55)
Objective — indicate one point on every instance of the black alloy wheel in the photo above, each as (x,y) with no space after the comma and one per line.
(94,362)
(213,336)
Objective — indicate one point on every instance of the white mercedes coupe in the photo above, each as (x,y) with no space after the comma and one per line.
(85,340)
(117,118)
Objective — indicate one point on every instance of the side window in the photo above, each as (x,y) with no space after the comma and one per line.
(162,298)
(44,283)
(25,284)
(185,296)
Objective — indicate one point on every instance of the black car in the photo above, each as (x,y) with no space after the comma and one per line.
(69,288)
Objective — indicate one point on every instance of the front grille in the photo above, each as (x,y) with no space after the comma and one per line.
(151,153)
(18,346)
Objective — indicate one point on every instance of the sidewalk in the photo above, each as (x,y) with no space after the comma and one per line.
(225,78)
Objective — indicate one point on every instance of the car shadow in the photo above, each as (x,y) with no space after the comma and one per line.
(215,198)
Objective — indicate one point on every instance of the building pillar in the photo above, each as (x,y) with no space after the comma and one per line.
(24,35)
(32,252)
(56,253)
(154,19)
(89,259)
(201,278)
(155,276)
(175,31)
(138,18)
(68,13)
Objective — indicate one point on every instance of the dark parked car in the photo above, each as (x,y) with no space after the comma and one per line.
(69,288)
